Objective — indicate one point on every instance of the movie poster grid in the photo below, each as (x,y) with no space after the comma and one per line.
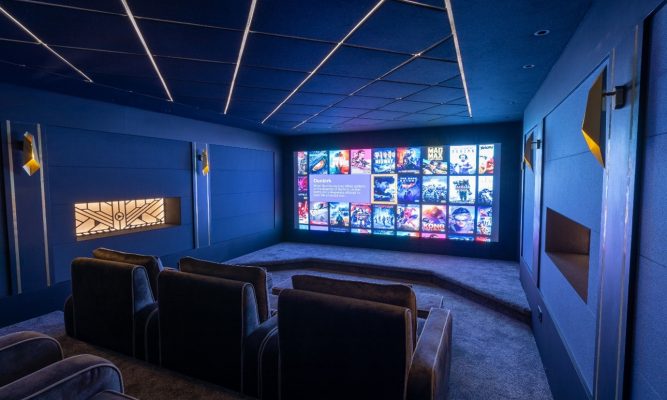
(433,192)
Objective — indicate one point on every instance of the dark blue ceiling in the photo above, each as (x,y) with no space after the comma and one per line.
(398,69)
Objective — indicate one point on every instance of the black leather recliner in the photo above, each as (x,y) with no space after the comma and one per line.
(110,305)
(333,347)
(206,326)
(32,366)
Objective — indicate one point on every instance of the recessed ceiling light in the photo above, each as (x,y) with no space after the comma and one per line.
(528,66)
(542,32)
(145,45)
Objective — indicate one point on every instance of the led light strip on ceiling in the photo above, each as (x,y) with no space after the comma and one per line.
(450,14)
(240,57)
(325,59)
(148,51)
(46,46)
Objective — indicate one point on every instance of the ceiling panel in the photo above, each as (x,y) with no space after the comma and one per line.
(9,30)
(228,14)
(147,86)
(76,28)
(446,109)
(424,71)
(316,99)
(321,83)
(432,3)
(402,27)
(111,63)
(292,108)
(388,115)
(391,90)
(326,119)
(100,5)
(437,94)
(240,107)
(198,89)
(215,105)
(454,82)
(293,118)
(297,17)
(343,112)
(269,78)
(174,68)
(407,106)
(368,103)
(169,39)
(362,63)
(418,117)
(259,94)
(284,53)
(444,51)
(36,56)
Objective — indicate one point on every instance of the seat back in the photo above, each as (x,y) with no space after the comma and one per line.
(334,347)
(254,275)
(105,297)
(203,324)
(397,294)
(152,264)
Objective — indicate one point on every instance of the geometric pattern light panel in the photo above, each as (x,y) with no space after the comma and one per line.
(114,216)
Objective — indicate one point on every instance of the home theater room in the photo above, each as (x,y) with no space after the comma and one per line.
(333,199)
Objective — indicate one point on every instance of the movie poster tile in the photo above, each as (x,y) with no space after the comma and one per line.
(384,161)
(384,217)
(383,232)
(319,228)
(408,217)
(302,184)
(360,160)
(463,160)
(485,191)
(361,216)
(319,213)
(461,220)
(339,215)
(339,162)
(361,231)
(408,160)
(409,189)
(433,160)
(483,239)
(486,159)
(484,221)
(431,235)
(434,218)
(408,234)
(462,238)
(302,211)
(434,189)
(318,162)
(303,227)
(462,189)
(385,188)
(302,162)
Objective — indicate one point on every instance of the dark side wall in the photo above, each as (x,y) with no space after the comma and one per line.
(94,151)
(570,330)
(507,134)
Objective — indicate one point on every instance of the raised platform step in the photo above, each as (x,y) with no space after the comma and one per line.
(492,283)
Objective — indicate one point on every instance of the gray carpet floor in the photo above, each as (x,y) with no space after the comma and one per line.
(493,357)
(493,278)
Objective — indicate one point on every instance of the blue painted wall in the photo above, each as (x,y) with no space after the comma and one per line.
(647,375)
(569,188)
(96,151)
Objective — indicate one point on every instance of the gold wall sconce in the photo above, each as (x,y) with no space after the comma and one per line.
(205,166)
(528,149)
(30,160)
(593,125)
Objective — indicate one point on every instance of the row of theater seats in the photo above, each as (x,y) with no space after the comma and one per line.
(328,339)
(32,367)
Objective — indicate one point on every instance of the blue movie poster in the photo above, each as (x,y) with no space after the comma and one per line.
(384,161)
(318,162)
(409,189)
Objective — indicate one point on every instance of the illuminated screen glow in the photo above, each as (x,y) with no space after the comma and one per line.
(431,192)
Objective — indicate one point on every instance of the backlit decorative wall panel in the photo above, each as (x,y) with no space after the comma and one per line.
(114,216)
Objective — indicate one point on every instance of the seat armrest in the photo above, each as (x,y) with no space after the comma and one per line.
(111,395)
(77,377)
(69,316)
(253,351)
(170,269)
(146,332)
(428,378)
(23,353)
